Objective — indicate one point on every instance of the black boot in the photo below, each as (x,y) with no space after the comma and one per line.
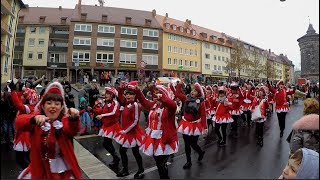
(222,143)
(281,134)
(201,155)
(187,165)
(115,162)
(123,172)
(139,173)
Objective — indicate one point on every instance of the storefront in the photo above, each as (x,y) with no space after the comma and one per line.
(33,71)
(56,70)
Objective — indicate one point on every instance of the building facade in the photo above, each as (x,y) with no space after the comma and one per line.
(9,15)
(309,50)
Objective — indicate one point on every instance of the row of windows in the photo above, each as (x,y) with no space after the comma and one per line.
(174,27)
(32,42)
(215,67)
(182,39)
(111,29)
(33,30)
(182,62)
(215,57)
(183,51)
(216,47)
(39,55)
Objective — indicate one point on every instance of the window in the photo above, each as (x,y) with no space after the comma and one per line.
(40,55)
(33,30)
(128,31)
(82,41)
(150,59)
(186,62)
(188,31)
(42,30)
(215,67)
(58,58)
(41,42)
(150,45)
(6,63)
(18,55)
(222,48)
(227,59)
(21,30)
(191,63)
(30,55)
(180,51)
(80,56)
(174,37)
(169,36)
(11,24)
(195,64)
(195,52)
(191,52)
(207,56)
(105,57)
(219,68)
(181,29)
(31,42)
(180,62)
(219,58)
(128,44)
(106,29)
(218,48)
(169,48)
(207,66)
(167,25)
(227,50)
(150,33)
(83,27)
(207,46)
(174,27)
(194,32)
(222,58)
(105,42)
(169,61)
(175,61)
(8,44)
(128,58)
(175,49)
(214,47)
(186,51)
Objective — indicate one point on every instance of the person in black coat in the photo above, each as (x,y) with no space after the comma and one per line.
(93,94)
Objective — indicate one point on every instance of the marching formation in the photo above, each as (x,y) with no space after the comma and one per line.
(45,126)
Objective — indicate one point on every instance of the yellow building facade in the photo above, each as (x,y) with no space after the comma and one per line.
(181,54)
(9,21)
(35,53)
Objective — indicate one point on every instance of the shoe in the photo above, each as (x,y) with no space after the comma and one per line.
(139,174)
(115,162)
(123,172)
(236,135)
(222,143)
(187,165)
(281,134)
(201,155)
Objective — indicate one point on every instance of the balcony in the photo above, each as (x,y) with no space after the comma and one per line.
(5,7)
(20,34)
(3,49)
(58,49)
(17,62)
(59,36)
(4,28)
(18,48)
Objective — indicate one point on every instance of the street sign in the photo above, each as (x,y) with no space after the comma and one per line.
(180,67)
(76,64)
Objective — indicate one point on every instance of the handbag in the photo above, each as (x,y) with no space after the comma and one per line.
(256,114)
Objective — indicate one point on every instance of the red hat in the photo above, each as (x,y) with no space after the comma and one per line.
(198,88)
(132,84)
(111,90)
(54,88)
(209,88)
(234,84)
(280,82)
(215,85)
(31,95)
(165,91)
(222,88)
(262,90)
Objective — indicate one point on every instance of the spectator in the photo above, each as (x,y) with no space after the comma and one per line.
(93,94)
(311,106)
(102,79)
(70,103)
(305,133)
(84,116)
(44,88)
(83,93)
(86,78)
(8,113)
(303,164)
(7,88)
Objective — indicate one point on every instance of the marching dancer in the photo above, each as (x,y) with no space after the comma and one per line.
(249,95)
(260,106)
(236,98)
(193,123)
(222,116)
(50,126)
(109,114)
(282,106)
(161,134)
(131,134)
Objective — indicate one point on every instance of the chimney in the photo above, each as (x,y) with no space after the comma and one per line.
(154,13)
(79,2)
(60,7)
(269,51)
(167,15)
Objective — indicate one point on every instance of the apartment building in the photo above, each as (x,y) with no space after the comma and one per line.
(124,42)
(9,14)
(42,41)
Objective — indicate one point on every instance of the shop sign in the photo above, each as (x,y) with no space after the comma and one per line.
(128,65)
(216,72)
(180,67)
(81,64)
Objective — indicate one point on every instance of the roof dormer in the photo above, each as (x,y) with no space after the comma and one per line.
(204,35)
(42,19)
(148,22)
(167,25)
(83,16)
(214,38)
(174,27)
(63,20)
(104,18)
(194,32)
(128,20)
(181,29)
(221,40)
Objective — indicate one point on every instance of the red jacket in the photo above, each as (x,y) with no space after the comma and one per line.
(39,167)
(110,113)
(236,100)
(169,130)
(280,96)
(190,117)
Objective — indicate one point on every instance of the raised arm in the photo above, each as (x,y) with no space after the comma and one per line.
(144,102)
(271,89)
(178,93)
(121,95)
(170,104)
(16,101)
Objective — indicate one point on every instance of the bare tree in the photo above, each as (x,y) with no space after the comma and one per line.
(270,70)
(256,65)
(238,58)
(101,2)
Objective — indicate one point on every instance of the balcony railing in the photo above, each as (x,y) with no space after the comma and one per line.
(59,36)
(5,7)
(58,48)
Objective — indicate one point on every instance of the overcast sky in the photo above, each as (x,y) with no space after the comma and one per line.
(268,24)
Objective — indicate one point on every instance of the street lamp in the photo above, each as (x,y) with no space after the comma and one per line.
(282,0)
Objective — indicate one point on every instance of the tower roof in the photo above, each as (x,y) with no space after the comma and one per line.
(310,29)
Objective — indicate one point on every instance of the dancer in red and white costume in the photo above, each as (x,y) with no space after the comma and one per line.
(131,134)
(236,97)
(161,134)
(109,114)
(193,123)
(260,102)
(50,126)
(282,106)
(222,116)
(249,95)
